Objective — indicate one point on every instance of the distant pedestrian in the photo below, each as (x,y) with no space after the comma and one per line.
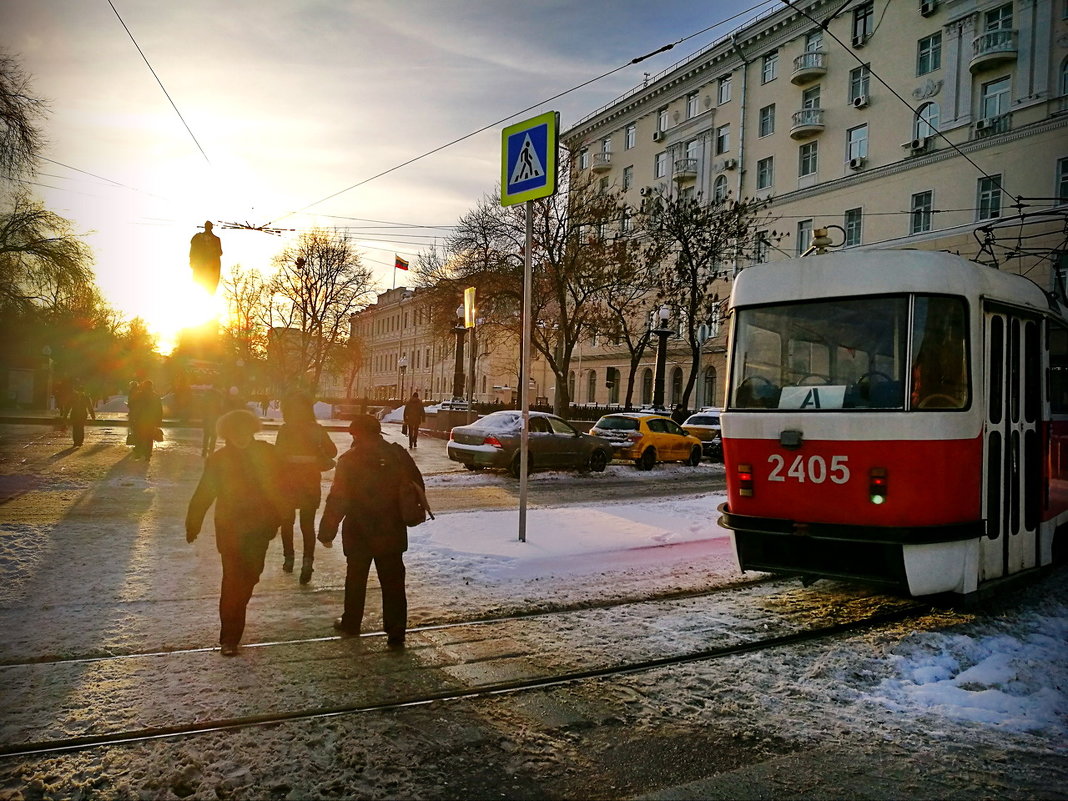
(365,496)
(242,480)
(414,415)
(305,451)
(211,406)
(147,415)
(81,407)
(132,394)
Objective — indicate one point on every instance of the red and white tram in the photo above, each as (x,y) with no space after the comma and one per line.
(898,417)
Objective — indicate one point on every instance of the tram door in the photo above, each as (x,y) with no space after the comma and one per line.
(1012,493)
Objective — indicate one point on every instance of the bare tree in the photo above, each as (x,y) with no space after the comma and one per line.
(694,249)
(245,294)
(320,282)
(20,115)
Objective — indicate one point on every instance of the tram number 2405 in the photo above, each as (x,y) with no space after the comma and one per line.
(815,469)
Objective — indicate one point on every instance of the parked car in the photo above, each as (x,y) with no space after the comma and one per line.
(705,426)
(647,438)
(494,441)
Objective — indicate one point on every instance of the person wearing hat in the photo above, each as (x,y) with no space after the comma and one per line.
(365,496)
(205,258)
(242,479)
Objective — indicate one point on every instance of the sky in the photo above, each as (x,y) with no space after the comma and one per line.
(267,112)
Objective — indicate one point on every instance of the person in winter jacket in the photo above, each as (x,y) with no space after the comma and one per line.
(147,416)
(81,407)
(365,496)
(414,415)
(305,449)
(242,479)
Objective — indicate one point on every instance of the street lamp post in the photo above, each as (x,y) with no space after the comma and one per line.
(402,365)
(662,333)
(458,370)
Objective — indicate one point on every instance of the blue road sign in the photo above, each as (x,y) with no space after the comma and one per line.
(528,159)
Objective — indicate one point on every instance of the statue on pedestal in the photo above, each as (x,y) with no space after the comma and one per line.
(205,258)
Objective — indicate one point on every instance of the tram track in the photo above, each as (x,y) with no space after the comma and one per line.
(177,731)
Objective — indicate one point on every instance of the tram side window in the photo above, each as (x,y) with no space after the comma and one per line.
(940,354)
(1058,370)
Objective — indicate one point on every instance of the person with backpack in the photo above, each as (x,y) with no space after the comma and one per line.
(306,450)
(242,479)
(365,495)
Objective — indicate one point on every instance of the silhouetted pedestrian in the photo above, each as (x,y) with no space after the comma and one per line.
(242,480)
(365,496)
(147,417)
(81,407)
(414,415)
(211,406)
(305,451)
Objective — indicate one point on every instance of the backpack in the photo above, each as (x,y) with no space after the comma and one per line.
(411,498)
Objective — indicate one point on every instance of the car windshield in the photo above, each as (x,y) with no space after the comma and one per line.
(851,353)
(500,421)
(702,420)
(617,424)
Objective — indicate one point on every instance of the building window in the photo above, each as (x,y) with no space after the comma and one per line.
(584,159)
(989,200)
(606,146)
(814,41)
(995,98)
(719,189)
(999,19)
(693,105)
(767,120)
(1062,182)
(625,222)
(920,214)
(810,98)
(660,165)
(863,22)
(647,387)
(723,139)
(571,386)
(723,90)
(766,172)
(630,136)
(806,159)
(859,81)
(927,119)
(628,177)
(852,227)
(929,54)
(662,119)
(857,142)
(804,236)
(709,387)
(591,386)
(603,184)
(761,247)
(770,67)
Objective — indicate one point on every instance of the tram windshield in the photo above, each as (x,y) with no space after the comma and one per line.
(886,352)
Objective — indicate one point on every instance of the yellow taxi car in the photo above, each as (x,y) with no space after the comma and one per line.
(647,438)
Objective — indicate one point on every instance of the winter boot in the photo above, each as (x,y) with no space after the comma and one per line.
(306,570)
(287,563)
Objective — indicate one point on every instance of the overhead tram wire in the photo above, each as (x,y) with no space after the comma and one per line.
(633,61)
(823,26)
(161,86)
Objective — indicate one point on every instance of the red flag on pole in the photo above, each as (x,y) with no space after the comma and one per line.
(399,263)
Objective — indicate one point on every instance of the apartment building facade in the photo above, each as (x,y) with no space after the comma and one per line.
(911,124)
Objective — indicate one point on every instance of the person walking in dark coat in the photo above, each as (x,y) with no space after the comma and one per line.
(211,406)
(365,496)
(147,417)
(305,449)
(242,479)
(414,415)
(81,407)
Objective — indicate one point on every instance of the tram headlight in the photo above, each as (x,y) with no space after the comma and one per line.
(877,485)
(745,480)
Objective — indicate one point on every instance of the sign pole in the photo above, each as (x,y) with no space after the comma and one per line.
(524,378)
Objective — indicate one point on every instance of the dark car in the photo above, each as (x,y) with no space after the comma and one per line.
(494,441)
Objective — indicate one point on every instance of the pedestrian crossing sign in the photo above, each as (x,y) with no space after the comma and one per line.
(528,159)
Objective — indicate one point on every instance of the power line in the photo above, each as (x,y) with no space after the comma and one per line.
(161,86)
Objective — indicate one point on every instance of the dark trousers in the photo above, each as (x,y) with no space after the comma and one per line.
(390,569)
(413,435)
(307,532)
(241,566)
(77,430)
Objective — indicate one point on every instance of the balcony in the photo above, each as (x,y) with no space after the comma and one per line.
(602,162)
(993,48)
(808,67)
(807,122)
(990,126)
(684,170)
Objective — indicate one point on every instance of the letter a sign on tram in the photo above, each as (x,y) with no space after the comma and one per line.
(528,159)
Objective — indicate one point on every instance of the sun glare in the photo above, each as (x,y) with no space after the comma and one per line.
(191,306)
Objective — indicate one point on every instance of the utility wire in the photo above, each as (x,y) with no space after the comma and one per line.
(161,86)
(635,60)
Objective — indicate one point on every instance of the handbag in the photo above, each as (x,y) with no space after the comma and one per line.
(404,428)
(411,500)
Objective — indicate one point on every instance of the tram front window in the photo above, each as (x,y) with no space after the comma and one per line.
(834,354)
